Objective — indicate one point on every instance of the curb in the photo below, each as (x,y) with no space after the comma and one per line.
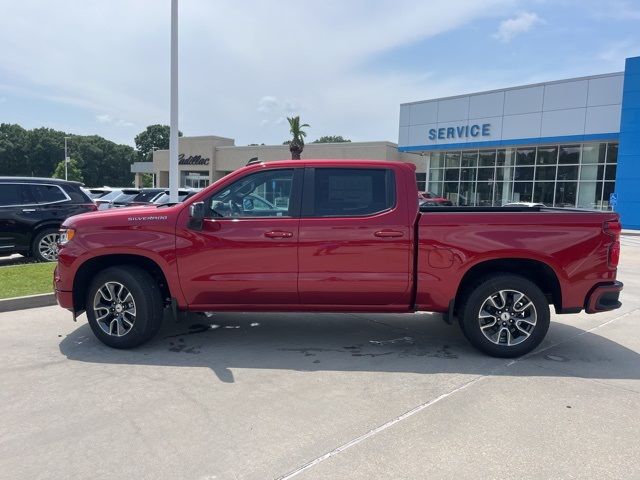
(30,301)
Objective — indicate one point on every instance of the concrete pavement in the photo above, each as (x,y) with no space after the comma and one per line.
(259,396)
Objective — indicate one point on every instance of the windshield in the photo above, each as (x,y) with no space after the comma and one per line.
(111,195)
(147,195)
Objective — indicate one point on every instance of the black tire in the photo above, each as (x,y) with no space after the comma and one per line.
(495,327)
(147,301)
(41,254)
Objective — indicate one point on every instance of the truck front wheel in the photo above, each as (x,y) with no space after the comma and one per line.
(505,315)
(124,306)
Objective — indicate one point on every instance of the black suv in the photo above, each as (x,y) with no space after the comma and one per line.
(31,211)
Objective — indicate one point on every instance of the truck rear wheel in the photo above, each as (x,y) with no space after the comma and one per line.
(124,306)
(505,315)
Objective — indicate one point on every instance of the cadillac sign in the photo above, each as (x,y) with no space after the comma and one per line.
(192,160)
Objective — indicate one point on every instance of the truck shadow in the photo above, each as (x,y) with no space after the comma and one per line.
(420,343)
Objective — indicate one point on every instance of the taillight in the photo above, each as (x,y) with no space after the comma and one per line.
(613,228)
(92,207)
(614,254)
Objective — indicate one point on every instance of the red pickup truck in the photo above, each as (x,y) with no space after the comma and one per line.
(337,236)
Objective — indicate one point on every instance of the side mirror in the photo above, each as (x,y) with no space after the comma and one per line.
(196,215)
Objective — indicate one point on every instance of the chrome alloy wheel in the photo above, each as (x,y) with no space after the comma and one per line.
(507,317)
(48,247)
(114,309)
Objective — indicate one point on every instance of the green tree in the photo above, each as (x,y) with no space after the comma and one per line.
(153,136)
(38,152)
(73,171)
(331,139)
(297,137)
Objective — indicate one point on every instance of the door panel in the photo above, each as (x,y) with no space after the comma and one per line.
(247,250)
(239,262)
(357,260)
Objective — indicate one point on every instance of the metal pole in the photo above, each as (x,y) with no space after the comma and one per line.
(66,160)
(173,135)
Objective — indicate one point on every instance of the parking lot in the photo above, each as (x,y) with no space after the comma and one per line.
(261,396)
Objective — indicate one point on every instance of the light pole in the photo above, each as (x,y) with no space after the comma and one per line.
(66,160)
(173,134)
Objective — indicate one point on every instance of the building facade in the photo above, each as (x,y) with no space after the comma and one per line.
(566,143)
(203,160)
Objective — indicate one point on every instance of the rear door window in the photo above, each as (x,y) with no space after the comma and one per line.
(47,193)
(349,192)
(14,194)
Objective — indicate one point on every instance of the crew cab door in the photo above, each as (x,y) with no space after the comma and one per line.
(355,238)
(247,250)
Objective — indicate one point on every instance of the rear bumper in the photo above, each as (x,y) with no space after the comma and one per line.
(604,297)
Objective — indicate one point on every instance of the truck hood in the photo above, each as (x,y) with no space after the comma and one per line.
(126,216)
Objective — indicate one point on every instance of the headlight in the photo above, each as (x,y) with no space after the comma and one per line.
(66,235)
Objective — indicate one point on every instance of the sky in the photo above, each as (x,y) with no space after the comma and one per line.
(102,67)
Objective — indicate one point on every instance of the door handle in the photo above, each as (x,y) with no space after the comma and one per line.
(28,209)
(388,233)
(278,234)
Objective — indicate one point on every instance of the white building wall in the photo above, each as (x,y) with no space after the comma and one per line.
(575,107)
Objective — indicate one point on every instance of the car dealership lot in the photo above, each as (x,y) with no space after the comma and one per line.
(262,396)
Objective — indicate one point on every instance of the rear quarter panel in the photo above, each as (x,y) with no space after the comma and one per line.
(571,243)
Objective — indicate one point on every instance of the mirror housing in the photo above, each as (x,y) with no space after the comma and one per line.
(196,215)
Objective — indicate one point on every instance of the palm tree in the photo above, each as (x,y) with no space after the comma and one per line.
(297,141)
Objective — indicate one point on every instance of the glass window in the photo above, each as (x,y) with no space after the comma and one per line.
(421,181)
(567,172)
(470,159)
(348,192)
(263,194)
(435,188)
(451,174)
(437,160)
(467,194)
(566,194)
(14,194)
(436,174)
(485,174)
(612,153)
(607,190)
(610,172)
(468,174)
(594,152)
(547,156)
(543,193)
(525,156)
(47,193)
(487,158)
(524,173)
(452,159)
(592,172)
(546,173)
(522,191)
(503,192)
(569,154)
(590,195)
(451,191)
(506,157)
(485,194)
(504,173)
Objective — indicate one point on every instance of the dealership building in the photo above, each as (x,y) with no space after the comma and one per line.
(566,143)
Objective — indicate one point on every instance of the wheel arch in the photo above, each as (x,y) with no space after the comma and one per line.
(537,271)
(93,266)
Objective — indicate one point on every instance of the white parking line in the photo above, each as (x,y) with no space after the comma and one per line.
(423,406)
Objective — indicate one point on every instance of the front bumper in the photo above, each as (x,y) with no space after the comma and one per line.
(64,299)
(604,297)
